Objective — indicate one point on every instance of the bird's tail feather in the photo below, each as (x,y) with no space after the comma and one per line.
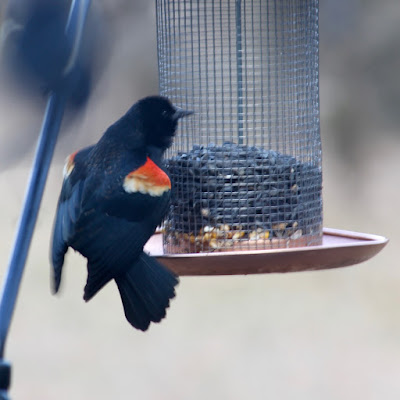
(146,289)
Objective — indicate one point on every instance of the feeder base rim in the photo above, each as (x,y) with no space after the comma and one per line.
(339,248)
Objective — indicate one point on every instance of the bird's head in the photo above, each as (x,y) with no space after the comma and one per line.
(156,119)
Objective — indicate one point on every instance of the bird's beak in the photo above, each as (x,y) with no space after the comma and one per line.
(180,113)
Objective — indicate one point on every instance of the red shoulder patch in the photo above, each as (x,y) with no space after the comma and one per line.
(147,179)
(69,165)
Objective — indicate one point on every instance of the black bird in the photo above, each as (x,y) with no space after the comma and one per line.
(113,197)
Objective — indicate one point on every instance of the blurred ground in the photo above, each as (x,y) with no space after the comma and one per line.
(316,335)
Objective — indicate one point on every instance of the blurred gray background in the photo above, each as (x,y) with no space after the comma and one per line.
(311,335)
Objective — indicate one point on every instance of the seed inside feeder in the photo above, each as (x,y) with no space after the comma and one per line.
(240,197)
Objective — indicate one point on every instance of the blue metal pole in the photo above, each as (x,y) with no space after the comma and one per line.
(37,181)
(44,154)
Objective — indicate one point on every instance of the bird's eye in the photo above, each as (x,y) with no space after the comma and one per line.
(164,113)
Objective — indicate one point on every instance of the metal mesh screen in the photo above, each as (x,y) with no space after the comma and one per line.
(246,168)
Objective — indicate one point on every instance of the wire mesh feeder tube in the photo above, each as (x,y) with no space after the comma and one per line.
(246,168)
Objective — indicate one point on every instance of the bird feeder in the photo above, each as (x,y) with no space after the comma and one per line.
(246,169)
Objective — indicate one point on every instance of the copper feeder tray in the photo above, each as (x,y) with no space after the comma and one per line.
(339,248)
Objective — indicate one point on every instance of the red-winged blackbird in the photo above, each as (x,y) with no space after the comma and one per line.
(113,197)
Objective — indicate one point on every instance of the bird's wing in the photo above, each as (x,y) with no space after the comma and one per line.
(117,219)
(110,244)
(137,194)
(108,220)
(68,212)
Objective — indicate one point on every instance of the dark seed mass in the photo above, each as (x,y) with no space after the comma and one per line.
(242,193)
